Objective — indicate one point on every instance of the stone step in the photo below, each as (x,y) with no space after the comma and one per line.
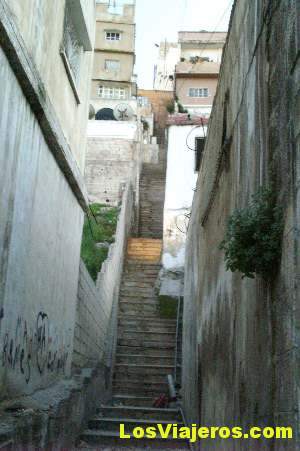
(146,344)
(141,292)
(139,412)
(146,322)
(137,284)
(133,334)
(157,331)
(147,268)
(112,439)
(145,359)
(113,423)
(138,379)
(146,328)
(139,299)
(140,388)
(132,400)
(151,369)
(135,258)
(138,308)
(146,351)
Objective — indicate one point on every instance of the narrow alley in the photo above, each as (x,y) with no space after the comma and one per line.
(149,225)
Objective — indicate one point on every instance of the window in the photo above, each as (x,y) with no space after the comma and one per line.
(112,36)
(198,92)
(71,47)
(112,65)
(199,147)
(106,92)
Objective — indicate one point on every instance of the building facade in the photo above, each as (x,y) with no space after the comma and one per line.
(196,74)
(113,80)
(168,57)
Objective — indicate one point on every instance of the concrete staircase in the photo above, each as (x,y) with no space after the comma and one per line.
(146,250)
(146,342)
(144,358)
(152,196)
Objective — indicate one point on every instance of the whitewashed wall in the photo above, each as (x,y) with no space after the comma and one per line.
(180,184)
(40,234)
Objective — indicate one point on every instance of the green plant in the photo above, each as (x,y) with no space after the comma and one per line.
(167,307)
(252,243)
(99,227)
(171,107)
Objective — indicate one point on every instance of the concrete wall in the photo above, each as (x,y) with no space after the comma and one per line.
(91,323)
(240,350)
(125,13)
(37,21)
(125,44)
(180,184)
(126,66)
(40,234)
(112,157)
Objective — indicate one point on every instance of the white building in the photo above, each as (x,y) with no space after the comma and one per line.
(186,139)
(168,57)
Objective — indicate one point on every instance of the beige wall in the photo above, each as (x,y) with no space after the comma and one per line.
(43,37)
(182,90)
(126,43)
(127,15)
(126,66)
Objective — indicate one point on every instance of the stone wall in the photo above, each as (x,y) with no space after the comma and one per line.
(97,304)
(240,349)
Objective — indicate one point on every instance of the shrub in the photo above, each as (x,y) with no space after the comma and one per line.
(99,230)
(252,243)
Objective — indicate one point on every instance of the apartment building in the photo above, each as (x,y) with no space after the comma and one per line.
(197,72)
(113,80)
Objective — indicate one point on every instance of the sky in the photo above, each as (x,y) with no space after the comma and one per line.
(157,20)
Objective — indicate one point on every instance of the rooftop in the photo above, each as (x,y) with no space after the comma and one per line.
(186,119)
(212,37)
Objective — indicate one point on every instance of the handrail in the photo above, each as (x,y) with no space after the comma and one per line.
(176,343)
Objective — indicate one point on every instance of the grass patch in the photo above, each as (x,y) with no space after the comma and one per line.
(167,307)
(94,232)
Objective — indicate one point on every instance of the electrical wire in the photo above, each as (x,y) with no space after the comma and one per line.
(188,135)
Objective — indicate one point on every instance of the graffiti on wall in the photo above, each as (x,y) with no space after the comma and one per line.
(27,348)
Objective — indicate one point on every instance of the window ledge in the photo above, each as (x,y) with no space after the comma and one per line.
(70,75)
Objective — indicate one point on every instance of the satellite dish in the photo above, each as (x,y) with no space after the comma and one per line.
(123,112)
